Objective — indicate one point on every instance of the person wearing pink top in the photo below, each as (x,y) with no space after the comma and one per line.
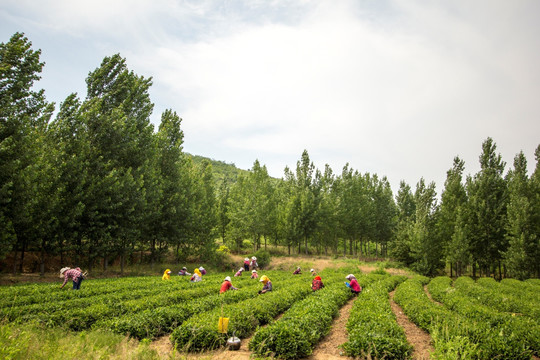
(75,275)
(353,284)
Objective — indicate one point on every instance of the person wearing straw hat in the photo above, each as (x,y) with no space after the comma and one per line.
(254,274)
(227,285)
(197,276)
(298,271)
(76,275)
(254,264)
(313,272)
(353,284)
(267,284)
(246,264)
(202,270)
(239,272)
(166,275)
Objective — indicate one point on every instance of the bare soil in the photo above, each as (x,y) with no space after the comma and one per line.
(418,338)
(328,348)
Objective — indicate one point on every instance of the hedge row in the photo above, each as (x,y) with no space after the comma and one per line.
(488,292)
(372,327)
(294,335)
(158,320)
(455,335)
(520,331)
(200,331)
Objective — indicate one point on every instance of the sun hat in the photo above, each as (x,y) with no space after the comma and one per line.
(227,278)
(63,270)
(253,271)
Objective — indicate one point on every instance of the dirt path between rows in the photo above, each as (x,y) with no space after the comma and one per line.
(328,348)
(418,338)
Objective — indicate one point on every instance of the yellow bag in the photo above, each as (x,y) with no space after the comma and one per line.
(223,325)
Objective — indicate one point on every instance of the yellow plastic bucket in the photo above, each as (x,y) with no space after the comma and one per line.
(223,325)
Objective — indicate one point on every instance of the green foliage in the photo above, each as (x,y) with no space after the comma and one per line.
(372,327)
(199,332)
(300,328)
(263,258)
(470,331)
(98,184)
(33,341)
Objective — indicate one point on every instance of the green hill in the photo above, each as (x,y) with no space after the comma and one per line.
(223,172)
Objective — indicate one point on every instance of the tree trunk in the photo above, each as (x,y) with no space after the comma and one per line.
(122,262)
(306,242)
(22,258)
(152,253)
(14,262)
(42,260)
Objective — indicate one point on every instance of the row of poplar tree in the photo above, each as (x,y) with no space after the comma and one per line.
(97,183)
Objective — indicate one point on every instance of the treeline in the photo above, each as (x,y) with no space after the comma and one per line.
(98,183)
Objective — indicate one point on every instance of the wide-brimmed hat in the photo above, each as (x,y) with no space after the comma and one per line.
(63,270)
(227,278)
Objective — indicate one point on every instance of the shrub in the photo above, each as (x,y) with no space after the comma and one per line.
(263,258)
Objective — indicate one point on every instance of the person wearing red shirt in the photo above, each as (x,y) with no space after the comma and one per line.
(317,283)
(226,285)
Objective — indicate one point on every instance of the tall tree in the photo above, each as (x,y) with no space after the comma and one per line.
(425,245)
(24,114)
(535,214)
(250,206)
(169,203)
(116,113)
(400,247)
(453,199)
(487,200)
(520,256)
(203,210)
(384,212)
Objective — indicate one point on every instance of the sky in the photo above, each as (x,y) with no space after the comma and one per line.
(393,88)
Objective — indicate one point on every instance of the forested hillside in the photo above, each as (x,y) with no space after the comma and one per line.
(223,172)
(98,183)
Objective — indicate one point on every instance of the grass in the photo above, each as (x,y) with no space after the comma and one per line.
(32,341)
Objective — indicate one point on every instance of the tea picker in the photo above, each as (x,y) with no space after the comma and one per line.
(76,275)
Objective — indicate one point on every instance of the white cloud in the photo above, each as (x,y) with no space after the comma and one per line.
(396,89)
